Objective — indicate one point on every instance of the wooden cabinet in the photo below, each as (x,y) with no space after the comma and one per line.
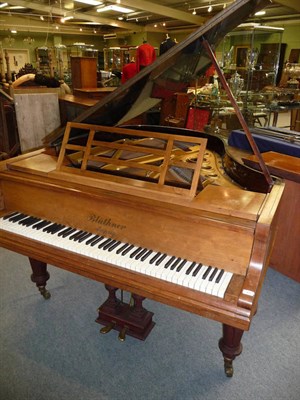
(84,72)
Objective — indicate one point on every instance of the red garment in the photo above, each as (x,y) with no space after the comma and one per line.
(128,71)
(145,55)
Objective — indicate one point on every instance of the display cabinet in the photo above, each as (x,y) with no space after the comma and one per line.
(252,60)
(116,57)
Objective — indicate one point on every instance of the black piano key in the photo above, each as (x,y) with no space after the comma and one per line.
(190,268)
(205,275)
(104,243)
(107,246)
(29,221)
(140,254)
(213,274)
(145,256)
(220,274)
(169,262)
(68,233)
(197,269)
(75,235)
(114,246)
(41,224)
(67,230)
(128,248)
(155,258)
(161,259)
(181,265)
(80,236)
(18,217)
(175,263)
(56,228)
(96,241)
(51,227)
(84,237)
(123,248)
(88,242)
(10,215)
(135,252)
(23,220)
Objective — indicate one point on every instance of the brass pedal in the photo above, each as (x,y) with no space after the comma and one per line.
(107,328)
(122,334)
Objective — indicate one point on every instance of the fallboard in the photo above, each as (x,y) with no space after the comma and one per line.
(169,228)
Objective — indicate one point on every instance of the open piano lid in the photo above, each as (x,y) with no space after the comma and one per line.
(170,73)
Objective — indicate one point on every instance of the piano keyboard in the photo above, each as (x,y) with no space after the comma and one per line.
(203,278)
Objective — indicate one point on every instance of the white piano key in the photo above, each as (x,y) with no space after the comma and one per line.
(100,248)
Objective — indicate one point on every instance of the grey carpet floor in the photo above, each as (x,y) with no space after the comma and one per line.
(52,350)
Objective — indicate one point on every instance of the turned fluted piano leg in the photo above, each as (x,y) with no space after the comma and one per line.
(231,346)
(39,276)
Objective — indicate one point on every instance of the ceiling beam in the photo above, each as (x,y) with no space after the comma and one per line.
(136,4)
(293,4)
(167,12)
(93,17)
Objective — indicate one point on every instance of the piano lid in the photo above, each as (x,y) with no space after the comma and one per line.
(170,73)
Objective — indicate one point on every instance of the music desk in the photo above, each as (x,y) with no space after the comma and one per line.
(285,256)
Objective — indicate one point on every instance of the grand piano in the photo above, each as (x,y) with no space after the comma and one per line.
(159,212)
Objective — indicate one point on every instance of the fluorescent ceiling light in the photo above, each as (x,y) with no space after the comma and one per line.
(3,5)
(90,2)
(66,18)
(260,13)
(114,7)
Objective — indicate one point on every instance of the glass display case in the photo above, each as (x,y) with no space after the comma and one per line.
(116,57)
(252,60)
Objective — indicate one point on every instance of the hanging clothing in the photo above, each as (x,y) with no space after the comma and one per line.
(145,55)
(166,45)
(128,71)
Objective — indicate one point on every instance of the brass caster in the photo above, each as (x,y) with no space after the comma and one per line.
(122,334)
(44,292)
(107,328)
(228,367)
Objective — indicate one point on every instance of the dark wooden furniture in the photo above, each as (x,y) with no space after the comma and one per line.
(9,137)
(84,72)
(93,92)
